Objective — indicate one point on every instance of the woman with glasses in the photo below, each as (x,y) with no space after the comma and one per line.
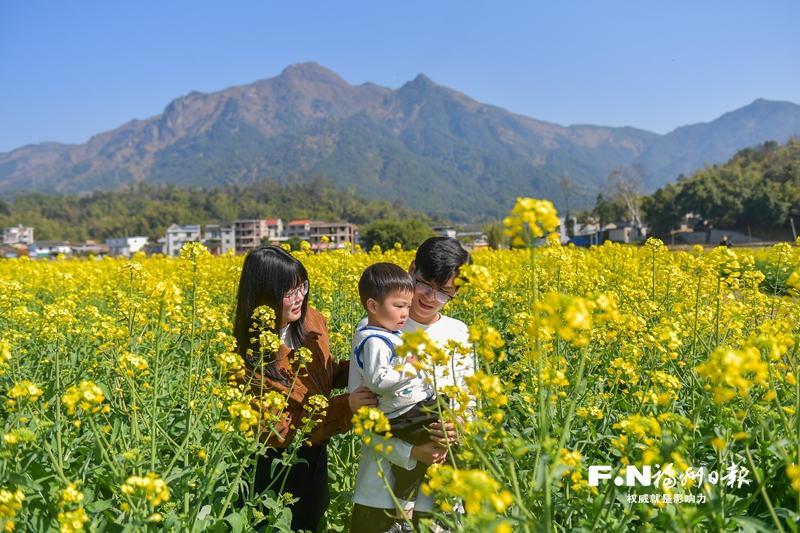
(272,277)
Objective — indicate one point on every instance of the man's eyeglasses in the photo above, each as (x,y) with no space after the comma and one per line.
(426,289)
(300,291)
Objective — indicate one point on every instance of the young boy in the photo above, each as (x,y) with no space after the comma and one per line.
(435,268)
(386,292)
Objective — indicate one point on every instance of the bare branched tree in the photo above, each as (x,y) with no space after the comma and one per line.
(567,189)
(626,184)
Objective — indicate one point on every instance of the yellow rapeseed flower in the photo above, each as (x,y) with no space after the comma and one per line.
(72,521)
(793,472)
(793,282)
(71,494)
(25,390)
(10,503)
(317,402)
(369,421)
(132,365)
(5,355)
(151,487)
(303,356)
(732,372)
(487,341)
(273,403)
(530,218)
(479,492)
(193,251)
(86,396)
(243,415)
(19,436)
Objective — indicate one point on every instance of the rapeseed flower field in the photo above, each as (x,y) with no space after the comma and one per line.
(593,366)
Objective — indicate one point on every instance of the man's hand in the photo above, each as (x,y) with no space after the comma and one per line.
(360,397)
(428,453)
(442,433)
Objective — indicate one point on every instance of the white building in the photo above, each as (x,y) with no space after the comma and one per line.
(49,249)
(125,246)
(445,231)
(89,247)
(275,229)
(177,236)
(219,239)
(625,233)
(18,235)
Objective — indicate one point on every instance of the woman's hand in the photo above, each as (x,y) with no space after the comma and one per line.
(360,397)
(442,433)
(428,453)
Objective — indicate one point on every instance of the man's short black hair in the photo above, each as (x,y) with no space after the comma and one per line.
(439,258)
(381,279)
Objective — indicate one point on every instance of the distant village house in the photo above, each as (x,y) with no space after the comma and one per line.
(18,235)
(177,236)
(125,246)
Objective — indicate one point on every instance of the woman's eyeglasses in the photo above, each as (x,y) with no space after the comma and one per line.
(426,289)
(300,291)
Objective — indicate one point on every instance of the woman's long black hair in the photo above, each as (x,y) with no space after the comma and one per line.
(268,272)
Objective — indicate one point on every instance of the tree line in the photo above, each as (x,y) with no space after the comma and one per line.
(757,189)
(148,210)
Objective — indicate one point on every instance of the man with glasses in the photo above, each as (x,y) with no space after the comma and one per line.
(434,271)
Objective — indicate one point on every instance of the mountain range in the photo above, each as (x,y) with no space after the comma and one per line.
(430,146)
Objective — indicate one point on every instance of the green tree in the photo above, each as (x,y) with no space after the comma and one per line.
(294,243)
(756,188)
(495,235)
(663,213)
(149,209)
(385,233)
(607,210)
(764,207)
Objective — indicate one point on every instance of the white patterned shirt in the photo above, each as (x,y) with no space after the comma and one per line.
(370,489)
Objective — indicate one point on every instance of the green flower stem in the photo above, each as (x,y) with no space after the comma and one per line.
(395,501)
(57,401)
(793,359)
(156,368)
(189,386)
(234,488)
(603,509)
(59,469)
(210,479)
(762,490)
(512,468)
(104,447)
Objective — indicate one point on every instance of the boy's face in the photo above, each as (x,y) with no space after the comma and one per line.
(393,312)
(426,305)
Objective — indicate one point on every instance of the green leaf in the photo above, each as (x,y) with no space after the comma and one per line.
(99,506)
(204,512)
(236,522)
(751,524)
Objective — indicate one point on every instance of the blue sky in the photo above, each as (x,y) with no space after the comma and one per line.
(69,70)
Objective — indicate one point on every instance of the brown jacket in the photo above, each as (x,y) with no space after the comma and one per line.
(322,375)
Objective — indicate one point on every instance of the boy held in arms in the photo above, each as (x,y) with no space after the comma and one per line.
(406,399)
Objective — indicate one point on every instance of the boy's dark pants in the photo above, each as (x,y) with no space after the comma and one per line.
(374,520)
(411,427)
